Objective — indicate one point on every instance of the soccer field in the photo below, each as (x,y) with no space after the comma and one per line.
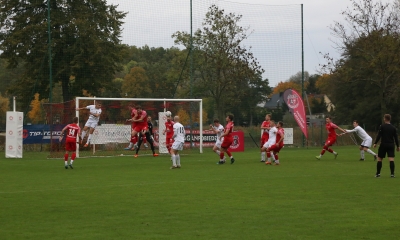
(141,198)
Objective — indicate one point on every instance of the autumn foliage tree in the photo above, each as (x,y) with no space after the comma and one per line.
(36,112)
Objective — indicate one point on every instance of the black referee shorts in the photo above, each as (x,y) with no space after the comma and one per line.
(386,149)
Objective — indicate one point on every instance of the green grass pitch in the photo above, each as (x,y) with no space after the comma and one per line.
(141,198)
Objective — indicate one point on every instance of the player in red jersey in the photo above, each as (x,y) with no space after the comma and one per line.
(276,148)
(331,128)
(265,126)
(169,132)
(228,140)
(134,139)
(73,131)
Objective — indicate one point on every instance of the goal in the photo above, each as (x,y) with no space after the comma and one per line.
(113,133)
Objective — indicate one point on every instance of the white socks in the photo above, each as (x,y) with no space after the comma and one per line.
(263,156)
(218,152)
(83,134)
(362,154)
(178,160)
(174,160)
(88,139)
(370,152)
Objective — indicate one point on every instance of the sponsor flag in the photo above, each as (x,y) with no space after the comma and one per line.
(296,107)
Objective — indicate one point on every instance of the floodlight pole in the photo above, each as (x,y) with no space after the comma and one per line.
(50,73)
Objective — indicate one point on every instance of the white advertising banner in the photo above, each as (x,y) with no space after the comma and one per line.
(288,135)
(14,137)
(111,133)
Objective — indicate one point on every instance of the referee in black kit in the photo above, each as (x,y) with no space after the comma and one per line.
(388,133)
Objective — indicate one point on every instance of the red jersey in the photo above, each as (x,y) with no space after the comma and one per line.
(169,126)
(142,115)
(265,131)
(72,132)
(229,127)
(330,127)
(280,133)
(133,114)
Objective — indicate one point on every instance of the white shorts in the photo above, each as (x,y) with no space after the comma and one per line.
(218,143)
(367,143)
(177,146)
(267,145)
(91,123)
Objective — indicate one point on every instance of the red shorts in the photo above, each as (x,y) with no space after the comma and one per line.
(275,148)
(330,141)
(70,146)
(264,139)
(169,141)
(226,143)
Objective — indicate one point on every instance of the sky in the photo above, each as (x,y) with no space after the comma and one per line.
(275,24)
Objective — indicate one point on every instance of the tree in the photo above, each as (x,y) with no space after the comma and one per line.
(282,86)
(84,41)
(369,43)
(36,113)
(223,65)
(135,84)
(4,106)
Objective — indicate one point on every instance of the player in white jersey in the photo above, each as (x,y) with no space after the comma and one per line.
(91,123)
(271,140)
(366,140)
(179,140)
(218,129)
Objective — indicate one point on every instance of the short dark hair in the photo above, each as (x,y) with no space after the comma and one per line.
(216,120)
(387,117)
(355,121)
(139,107)
(230,116)
(329,117)
(280,123)
(75,120)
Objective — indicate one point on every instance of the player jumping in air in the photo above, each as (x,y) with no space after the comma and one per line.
(331,128)
(265,126)
(140,120)
(133,140)
(147,134)
(72,131)
(366,140)
(227,140)
(91,124)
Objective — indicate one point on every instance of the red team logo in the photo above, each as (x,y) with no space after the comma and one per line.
(292,101)
(25,134)
(235,143)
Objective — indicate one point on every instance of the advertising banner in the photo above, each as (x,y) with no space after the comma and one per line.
(14,124)
(296,107)
(40,133)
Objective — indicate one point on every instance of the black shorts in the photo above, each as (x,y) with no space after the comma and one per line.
(386,149)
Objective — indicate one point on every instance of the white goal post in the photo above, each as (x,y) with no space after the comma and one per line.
(124,131)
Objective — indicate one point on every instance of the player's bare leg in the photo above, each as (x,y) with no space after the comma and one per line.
(326,148)
(365,149)
(83,134)
(66,159)
(91,130)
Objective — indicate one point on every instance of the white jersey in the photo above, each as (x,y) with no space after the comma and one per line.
(179,132)
(220,130)
(361,133)
(272,135)
(93,110)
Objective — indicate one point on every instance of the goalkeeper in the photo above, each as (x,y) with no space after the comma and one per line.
(148,133)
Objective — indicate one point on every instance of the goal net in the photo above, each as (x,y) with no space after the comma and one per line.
(113,134)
